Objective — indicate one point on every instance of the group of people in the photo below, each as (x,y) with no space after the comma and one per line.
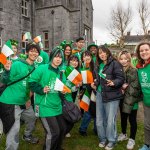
(118,82)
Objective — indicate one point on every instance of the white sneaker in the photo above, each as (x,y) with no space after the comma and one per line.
(68,135)
(102,144)
(122,137)
(130,144)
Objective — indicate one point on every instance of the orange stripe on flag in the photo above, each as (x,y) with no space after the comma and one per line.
(37,39)
(3,59)
(84,105)
(66,89)
(89,77)
(77,79)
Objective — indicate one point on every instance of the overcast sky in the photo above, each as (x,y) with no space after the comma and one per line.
(101,16)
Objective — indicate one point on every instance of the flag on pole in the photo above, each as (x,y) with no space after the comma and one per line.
(6,51)
(73,75)
(59,86)
(26,36)
(87,76)
(37,39)
(85,101)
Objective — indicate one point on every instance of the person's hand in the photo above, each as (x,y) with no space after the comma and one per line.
(124,86)
(7,66)
(110,83)
(93,86)
(79,84)
(28,104)
(46,89)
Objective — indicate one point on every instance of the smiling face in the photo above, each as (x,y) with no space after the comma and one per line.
(144,52)
(14,48)
(93,50)
(102,55)
(67,51)
(74,63)
(124,60)
(33,54)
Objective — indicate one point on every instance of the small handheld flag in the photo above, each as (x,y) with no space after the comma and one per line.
(26,36)
(37,39)
(85,101)
(73,75)
(6,51)
(87,76)
(59,86)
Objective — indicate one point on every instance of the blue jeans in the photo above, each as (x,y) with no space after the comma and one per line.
(85,122)
(106,114)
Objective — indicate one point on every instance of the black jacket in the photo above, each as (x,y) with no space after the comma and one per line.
(113,71)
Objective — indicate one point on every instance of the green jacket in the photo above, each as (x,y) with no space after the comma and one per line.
(17,93)
(144,78)
(50,103)
(132,93)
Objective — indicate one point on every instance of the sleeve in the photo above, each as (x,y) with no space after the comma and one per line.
(34,81)
(46,58)
(118,74)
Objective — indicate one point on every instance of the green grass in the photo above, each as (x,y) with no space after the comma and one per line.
(76,141)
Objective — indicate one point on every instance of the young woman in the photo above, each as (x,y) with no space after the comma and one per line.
(87,64)
(74,62)
(143,54)
(16,96)
(128,106)
(110,79)
(48,104)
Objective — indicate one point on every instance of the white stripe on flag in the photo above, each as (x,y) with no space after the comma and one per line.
(7,51)
(72,75)
(84,76)
(86,99)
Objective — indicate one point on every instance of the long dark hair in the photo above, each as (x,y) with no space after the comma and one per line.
(74,57)
(67,45)
(140,60)
(105,50)
(88,53)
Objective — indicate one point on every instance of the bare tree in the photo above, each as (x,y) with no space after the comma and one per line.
(120,19)
(144,14)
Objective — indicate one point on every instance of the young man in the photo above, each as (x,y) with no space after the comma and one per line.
(80,44)
(48,105)
(14,100)
(93,49)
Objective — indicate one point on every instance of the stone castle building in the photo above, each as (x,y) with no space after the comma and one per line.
(55,20)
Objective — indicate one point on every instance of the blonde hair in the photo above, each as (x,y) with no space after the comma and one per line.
(128,55)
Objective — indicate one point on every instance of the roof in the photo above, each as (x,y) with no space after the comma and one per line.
(135,38)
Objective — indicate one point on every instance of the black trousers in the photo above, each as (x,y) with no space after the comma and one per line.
(132,120)
(55,132)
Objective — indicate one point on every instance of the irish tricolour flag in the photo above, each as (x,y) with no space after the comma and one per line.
(85,101)
(6,51)
(26,36)
(87,76)
(59,86)
(37,39)
(73,75)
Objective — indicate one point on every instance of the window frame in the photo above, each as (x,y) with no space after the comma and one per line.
(24,8)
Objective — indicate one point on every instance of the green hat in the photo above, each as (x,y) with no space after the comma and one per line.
(92,44)
(14,42)
(64,43)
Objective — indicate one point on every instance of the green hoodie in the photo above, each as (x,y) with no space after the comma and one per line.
(50,103)
(144,78)
(17,93)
